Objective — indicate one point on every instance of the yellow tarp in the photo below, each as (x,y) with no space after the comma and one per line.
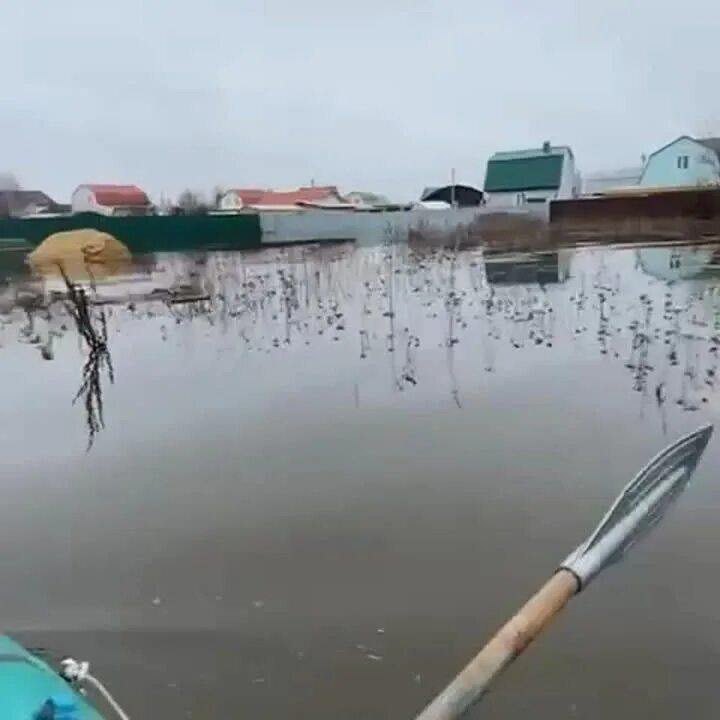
(81,253)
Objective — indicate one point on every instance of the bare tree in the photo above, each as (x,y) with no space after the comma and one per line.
(8,184)
(9,181)
(188,200)
(217,193)
(191,203)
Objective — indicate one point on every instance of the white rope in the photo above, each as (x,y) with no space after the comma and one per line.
(79,672)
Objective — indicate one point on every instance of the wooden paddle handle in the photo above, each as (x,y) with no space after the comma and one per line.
(473,682)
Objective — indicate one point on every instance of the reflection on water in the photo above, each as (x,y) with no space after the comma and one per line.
(655,310)
(91,326)
(675,264)
(525,269)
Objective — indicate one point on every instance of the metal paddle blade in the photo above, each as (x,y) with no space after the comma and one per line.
(640,506)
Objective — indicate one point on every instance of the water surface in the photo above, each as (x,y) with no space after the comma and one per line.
(318,488)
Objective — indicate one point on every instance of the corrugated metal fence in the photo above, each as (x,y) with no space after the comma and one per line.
(695,204)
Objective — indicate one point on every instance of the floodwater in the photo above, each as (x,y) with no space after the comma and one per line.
(315,492)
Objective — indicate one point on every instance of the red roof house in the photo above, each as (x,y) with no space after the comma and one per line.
(241,199)
(248,196)
(110,200)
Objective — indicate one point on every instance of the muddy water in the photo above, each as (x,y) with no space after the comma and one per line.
(318,490)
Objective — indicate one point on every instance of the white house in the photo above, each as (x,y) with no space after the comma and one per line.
(684,162)
(240,198)
(28,203)
(611,181)
(538,175)
(110,200)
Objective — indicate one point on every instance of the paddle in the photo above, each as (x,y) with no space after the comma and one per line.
(640,505)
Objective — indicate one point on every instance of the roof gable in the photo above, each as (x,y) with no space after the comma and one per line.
(17,202)
(118,195)
(248,196)
(462,195)
(506,173)
(279,198)
(670,144)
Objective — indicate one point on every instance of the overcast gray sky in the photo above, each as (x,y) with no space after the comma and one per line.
(383,95)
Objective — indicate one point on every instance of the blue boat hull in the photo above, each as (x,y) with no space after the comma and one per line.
(27,683)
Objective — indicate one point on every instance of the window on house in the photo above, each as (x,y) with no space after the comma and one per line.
(683,162)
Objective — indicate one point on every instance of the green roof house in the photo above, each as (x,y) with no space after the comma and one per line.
(520,177)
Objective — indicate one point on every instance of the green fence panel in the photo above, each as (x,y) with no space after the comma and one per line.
(146,234)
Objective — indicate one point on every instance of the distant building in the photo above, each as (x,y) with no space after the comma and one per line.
(111,200)
(366,199)
(684,162)
(255,199)
(457,195)
(538,175)
(600,183)
(240,199)
(27,203)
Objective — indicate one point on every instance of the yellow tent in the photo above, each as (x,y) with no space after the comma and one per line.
(81,254)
